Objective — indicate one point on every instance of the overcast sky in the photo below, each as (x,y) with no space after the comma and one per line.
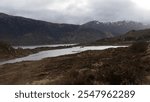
(77,11)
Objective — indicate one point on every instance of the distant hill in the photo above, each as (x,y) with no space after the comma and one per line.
(129,37)
(115,28)
(139,35)
(24,31)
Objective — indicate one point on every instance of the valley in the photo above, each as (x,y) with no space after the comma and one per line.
(107,53)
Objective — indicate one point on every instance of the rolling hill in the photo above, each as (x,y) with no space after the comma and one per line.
(129,37)
(24,31)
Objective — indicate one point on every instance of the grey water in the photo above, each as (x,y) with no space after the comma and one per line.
(57,52)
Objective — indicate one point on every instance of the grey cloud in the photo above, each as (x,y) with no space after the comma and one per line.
(75,11)
(113,10)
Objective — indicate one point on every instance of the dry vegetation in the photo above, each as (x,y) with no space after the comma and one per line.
(123,66)
(111,66)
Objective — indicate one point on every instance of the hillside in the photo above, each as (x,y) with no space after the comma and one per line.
(24,31)
(139,35)
(128,38)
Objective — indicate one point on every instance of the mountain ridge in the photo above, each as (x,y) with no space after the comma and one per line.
(25,31)
(116,28)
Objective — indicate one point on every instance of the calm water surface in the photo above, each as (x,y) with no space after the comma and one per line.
(57,52)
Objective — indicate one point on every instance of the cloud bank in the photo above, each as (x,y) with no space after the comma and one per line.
(76,11)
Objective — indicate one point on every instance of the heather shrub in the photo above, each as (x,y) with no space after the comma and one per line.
(125,72)
(80,77)
(139,47)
